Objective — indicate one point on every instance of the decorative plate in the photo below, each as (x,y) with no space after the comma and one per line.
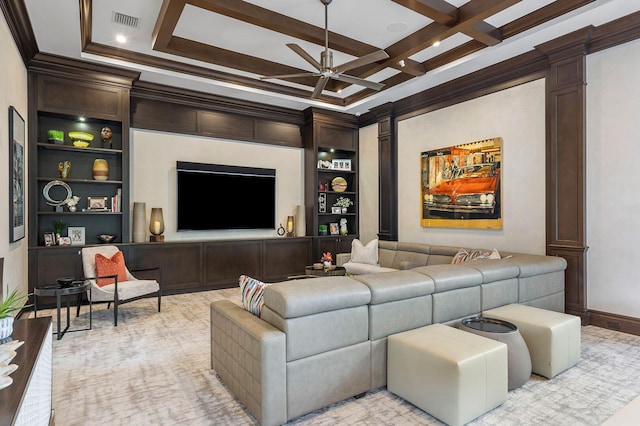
(80,144)
(5,381)
(81,136)
(339,184)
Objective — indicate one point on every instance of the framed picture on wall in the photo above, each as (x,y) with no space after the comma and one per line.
(16,176)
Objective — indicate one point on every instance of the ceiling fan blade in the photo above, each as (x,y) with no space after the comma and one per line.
(363,60)
(320,85)
(305,55)
(302,74)
(357,80)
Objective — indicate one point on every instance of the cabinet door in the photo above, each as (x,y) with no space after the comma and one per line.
(286,257)
(225,261)
(181,263)
(52,263)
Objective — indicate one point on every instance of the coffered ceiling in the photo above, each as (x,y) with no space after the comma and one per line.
(224,47)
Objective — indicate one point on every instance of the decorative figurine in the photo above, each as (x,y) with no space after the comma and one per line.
(64,169)
(107,135)
(343,226)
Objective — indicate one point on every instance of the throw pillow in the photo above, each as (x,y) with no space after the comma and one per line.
(464,255)
(364,254)
(113,265)
(252,291)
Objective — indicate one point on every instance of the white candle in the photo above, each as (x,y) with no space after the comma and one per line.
(156,227)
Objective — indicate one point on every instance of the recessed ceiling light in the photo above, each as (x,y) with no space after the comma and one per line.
(397,27)
(121,39)
(436,43)
(401,62)
(81,118)
(339,91)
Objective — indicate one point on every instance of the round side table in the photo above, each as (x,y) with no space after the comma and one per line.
(75,288)
(518,358)
(339,270)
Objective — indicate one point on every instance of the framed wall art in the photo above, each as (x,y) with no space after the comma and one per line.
(461,186)
(16,176)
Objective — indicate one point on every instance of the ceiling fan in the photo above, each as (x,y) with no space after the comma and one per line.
(325,67)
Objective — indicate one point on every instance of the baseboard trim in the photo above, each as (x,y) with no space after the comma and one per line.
(615,322)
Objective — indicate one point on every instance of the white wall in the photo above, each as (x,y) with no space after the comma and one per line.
(518,116)
(153,176)
(368,183)
(13,92)
(613,180)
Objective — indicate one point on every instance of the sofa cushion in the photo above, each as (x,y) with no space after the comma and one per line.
(364,254)
(364,268)
(465,255)
(252,291)
(297,298)
(397,285)
(451,277)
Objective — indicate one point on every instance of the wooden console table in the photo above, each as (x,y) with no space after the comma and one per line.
(28,400)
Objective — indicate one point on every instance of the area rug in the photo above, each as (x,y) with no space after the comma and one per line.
(154,368)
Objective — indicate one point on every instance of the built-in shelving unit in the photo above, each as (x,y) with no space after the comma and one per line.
(331,152)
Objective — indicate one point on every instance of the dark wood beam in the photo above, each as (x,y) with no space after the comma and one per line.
(166,23)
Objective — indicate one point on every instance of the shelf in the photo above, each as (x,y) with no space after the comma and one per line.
(78,213)
(336,214)
(336,171)
(57,147)
(111,182)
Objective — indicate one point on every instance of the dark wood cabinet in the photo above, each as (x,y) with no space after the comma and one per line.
(331,174)
(333,244)
(187,265)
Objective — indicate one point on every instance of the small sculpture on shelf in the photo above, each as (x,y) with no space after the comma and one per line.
(64,169)
(343,227)
(107,136)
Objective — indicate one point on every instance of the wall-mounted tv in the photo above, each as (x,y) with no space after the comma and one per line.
(214,196)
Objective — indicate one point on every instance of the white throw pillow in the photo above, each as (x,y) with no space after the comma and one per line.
(364,254)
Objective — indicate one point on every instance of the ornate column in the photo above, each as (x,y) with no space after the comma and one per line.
(566,162)
(387,173)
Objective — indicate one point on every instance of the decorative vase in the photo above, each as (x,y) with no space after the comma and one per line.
(344,210)
(301,227)
(326,263)
(100,169)
(72,208)
(6,327)
(139,220)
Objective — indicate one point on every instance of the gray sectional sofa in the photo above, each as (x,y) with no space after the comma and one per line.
(322,340)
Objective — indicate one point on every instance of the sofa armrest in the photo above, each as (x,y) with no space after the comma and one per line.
(342,258)
(249,355)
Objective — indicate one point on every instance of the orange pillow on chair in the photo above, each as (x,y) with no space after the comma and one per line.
(113,265)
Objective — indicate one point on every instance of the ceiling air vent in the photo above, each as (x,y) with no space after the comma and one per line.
(122,19)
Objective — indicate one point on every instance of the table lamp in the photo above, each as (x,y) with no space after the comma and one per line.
(156,225)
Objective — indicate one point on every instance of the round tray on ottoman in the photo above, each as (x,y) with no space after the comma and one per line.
(519,360)
(338,270)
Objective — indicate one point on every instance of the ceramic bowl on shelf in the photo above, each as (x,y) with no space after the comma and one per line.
(81,139)
(106,238)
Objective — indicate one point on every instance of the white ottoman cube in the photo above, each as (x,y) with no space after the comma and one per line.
(451,374)
(553,338)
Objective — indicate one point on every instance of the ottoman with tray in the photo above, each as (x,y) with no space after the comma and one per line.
(553,338)
(453,375)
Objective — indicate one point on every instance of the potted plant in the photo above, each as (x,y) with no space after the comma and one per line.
(13,302)
(59,226)
(344,203)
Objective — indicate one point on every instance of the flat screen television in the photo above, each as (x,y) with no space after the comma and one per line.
(213,197)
